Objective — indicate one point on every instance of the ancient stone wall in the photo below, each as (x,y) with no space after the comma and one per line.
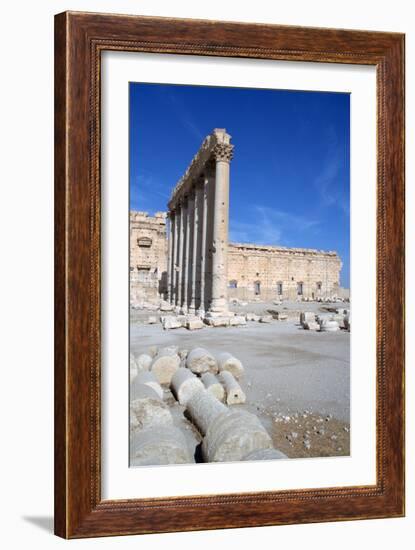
(269,272)
(148,256)
(266,272)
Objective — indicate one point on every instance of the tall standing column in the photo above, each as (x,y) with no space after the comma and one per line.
(203,263)
(193,250)
(219,304)
(181,254)
(188,252)
(176,253)
(198,248)
(170,256)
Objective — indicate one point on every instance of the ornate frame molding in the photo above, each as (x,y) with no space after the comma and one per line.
(79,40)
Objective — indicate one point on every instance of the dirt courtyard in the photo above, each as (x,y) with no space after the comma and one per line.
(296,381)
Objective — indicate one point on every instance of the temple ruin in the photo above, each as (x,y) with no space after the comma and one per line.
(189,261)
(197,264)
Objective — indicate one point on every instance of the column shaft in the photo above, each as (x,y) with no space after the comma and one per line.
(170,256)
(193,252)
(188,252)
(200,245)
(180,278)
(219,302)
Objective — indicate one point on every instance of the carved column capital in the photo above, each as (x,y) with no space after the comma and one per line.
(223,152)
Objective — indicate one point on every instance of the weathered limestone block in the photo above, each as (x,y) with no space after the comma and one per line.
(213,385)
(152,320)
(165,306)
(347,322)
(217,321)
(133,367)
(152,351)
(144,361)
(339,317)
(265,454)
(184,385)
(183,353)
(200,360)
(329,326)
(237,321)
(203,408)
(147,378)
(307,317)
(234,393)
(228,362)
(311,325)
(171,322)
(265,319)
(164,365)
(170,349)
(282,317)
(194,324)
(147,408)
(251,317)
(233,435)
(158,445)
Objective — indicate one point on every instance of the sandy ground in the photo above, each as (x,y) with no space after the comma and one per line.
(296,381)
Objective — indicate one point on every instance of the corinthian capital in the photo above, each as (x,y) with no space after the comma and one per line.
(223,151)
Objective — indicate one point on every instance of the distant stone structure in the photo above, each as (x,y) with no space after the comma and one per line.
(193,265)
(275,272)
(148,256)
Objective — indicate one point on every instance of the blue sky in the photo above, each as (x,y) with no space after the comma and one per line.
(290,172)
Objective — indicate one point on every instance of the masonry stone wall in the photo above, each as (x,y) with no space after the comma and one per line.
(269,272)
(266,272)
(148,256)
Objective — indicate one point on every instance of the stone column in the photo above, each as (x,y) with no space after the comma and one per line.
(194,246)
(219,304)
(187,254)
(183,212)
(170,257)
(176,253)
(200,244)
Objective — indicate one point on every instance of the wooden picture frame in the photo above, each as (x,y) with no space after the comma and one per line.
(79,40)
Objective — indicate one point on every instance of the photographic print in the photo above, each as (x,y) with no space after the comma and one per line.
(239,274)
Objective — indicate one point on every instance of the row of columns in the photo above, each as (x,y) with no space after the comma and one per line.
(198,239)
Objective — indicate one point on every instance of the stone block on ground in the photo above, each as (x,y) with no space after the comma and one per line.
(237,321)
(152,320)
(147,378)
(307,317)
(152,350)
(234,392)
(144,361)
(213,385)
(265,319)
(184,385)
(133,367)
(182,353)
(264,454)
(199,360)
(194,324)
(165,306)
(282,317)
(311,325)
(226,361)
(203,408)
(159,445)
(217,321)
(171,322)
(164,365)
(329,326)
(147,409)
(233,435)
